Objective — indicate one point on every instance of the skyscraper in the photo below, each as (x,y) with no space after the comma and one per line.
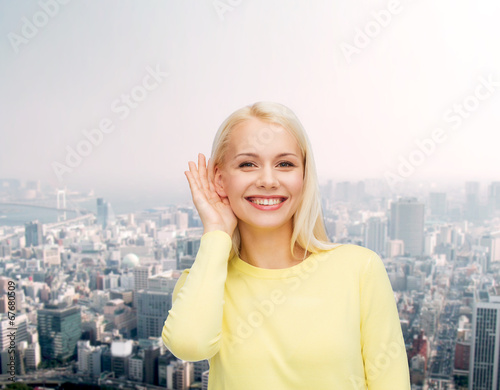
(471,207)
(33,233)
(437,204)
(152,309)
(180,374)
(6,329)
(105,214)
(494,196)
(59,329)
(376,234)
(485,349)
(89,358)
(141,275)
(151,355)
(407,224)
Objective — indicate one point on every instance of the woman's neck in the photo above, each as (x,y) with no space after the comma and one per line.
(269,248)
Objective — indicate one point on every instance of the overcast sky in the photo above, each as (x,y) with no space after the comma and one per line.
(368,79)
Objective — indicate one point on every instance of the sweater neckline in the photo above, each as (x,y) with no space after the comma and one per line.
(278,273)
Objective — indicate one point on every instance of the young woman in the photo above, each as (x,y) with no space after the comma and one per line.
(269,300)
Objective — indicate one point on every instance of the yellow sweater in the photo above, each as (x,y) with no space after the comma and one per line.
(326,323)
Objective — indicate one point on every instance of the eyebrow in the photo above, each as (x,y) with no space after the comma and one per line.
(255,155)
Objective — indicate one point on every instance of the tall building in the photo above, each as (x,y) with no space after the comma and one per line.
(33,356)
(350,192)
(121,352)
(59,329)
(187,248)
(89,358)
(407,224)
(343,191)
(180,375)
(181,220)
(51,256)
(376,234)
(105,214)
(163,364)
(199,368)
(471,207)
(152,310)
(121,316)
(204,380)
(394,248)
(494,196)
(33,233)
(141,275)
(485,349)
(437,204)
(21,325)
(136,368)
(491,242)
(151,355)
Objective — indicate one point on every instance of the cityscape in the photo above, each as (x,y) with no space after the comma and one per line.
(85,290)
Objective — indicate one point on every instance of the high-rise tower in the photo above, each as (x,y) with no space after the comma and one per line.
(407,224)
(485,348)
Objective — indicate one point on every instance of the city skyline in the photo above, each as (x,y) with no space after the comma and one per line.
(103,104)
(103,285)
(129,102)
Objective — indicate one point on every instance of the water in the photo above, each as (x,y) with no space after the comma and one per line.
(15,215)
(18,215)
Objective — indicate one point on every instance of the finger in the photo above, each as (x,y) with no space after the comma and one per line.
(196,193)
(193,185)
(203,171)
(194,173)
(211,182)
(190,180)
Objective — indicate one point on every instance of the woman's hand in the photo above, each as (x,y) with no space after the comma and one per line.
(215,212)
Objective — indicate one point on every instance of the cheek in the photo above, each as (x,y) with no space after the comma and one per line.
(235,186)
(296,185)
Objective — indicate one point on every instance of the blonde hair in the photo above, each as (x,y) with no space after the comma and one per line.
(308,227)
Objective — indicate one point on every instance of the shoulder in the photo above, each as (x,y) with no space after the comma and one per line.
(350,256)
(351,252)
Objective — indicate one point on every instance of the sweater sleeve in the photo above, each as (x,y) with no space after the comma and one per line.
(192,330)
(382,342)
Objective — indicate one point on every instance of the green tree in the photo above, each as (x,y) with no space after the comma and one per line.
(19,386)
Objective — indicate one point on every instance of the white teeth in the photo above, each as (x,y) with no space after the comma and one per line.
(266,202)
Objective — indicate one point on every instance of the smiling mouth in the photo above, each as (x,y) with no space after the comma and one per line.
(266,202)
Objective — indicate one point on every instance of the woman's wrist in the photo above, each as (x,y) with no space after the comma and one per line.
(209,229)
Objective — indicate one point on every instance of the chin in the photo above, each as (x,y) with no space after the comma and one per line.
(270,225)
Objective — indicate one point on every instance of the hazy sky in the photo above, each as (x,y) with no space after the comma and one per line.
(366,78)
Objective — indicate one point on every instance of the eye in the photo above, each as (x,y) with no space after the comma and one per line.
(242,165)
(286,162)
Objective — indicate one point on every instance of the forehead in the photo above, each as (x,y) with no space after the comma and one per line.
(256,136)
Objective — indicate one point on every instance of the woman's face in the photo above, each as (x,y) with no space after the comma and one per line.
(263,164)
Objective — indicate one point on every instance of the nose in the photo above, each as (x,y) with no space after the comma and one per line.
(267,178)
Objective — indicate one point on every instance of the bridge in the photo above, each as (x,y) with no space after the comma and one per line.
(39,206)
(89,217)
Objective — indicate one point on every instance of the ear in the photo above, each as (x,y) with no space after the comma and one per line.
(218,183)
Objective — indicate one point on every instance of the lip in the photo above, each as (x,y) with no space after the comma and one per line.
(264,207)
(267,197)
